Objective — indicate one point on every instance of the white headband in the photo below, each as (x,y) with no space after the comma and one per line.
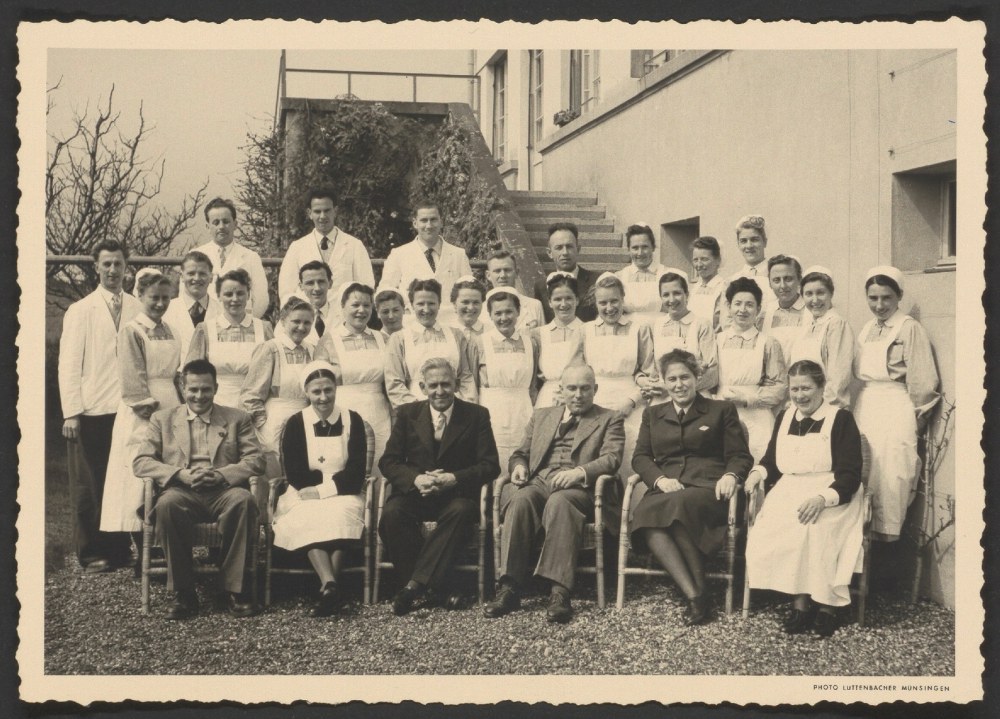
(317,365)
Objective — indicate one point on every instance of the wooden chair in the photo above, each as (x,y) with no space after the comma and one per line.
(727,555)
(756,499)
(366,538)
(477,544)
(593,535)
(205,535)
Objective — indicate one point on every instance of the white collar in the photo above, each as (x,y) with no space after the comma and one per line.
(332,236)
(478,327)
(821,413)
(498,335)
(437,248)
(418,329)
(653,269)
(285,341)
(217,248)
(346,332)
(555,325)
(687,319)
(189,301)
(891,321)
(206,417)
(677,407)
(797,306)
(146,321)
(747,334)
(447,413)
(717,279)
(748,269)
(600,321)
(311,417)
(222,322)
(106,295)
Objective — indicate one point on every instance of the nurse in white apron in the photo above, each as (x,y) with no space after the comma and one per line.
(640,278)
(828,340)
(426,339)
(788,320)
(272,390)
(507,371)
(560,340)
(322,507)
(390,308)
(896,364)
(228,339)
(679,328)
(751,366)
(357,355)
(807,539)
(149,353)
(621,354)
(468,297)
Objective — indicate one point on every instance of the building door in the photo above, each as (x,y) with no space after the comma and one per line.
(535,117)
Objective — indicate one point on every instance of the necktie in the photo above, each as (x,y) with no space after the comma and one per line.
(567,426)
(429,254)
(324,243)
(680,415)
(442,422)
(320,324)
(116,309)
(222,257)
(197,313)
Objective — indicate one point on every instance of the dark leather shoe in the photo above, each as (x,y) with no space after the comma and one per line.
(699,611)
(559,610)
(329,600)
(799,621)
(98,566)
(185,606)
(238,607)
(826,624)
(405,601)
(506,601)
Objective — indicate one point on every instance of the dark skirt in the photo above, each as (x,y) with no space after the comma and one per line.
(703,516)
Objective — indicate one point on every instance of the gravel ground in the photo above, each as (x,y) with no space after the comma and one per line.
(646,638)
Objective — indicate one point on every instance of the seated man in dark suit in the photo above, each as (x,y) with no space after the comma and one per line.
(201,456)
(564,248)
(552,473)
(440,453)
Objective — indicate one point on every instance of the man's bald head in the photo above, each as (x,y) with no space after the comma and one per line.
(578,385)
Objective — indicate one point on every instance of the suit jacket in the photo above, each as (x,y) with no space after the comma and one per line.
(709,443)
(586,310)
(598,446)
(233,442)
(88,355)
(467,449)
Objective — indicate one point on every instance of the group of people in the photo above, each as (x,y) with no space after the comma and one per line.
(700,385)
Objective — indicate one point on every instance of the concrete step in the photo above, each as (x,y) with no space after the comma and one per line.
(525,197)
(527,212)
(590,264)
(537,224)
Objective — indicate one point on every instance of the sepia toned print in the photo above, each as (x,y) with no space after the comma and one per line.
(747,264)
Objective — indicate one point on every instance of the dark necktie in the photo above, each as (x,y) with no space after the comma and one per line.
(324,243)
(429,254)
(320,324)
(567,426)
(116,309)
(197,313)
(680,415)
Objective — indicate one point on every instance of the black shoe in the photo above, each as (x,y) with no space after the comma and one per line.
(826,624)
(507,601)
(799,621)
(239,607)
(185,606)
(559,610)
(699,610)
(451,602)
(405,601)
(329,600)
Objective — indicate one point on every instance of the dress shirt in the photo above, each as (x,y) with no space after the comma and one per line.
(631,273)
(436,417)
(198,425)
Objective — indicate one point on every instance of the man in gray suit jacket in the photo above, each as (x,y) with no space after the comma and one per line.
(201,456)
(552,473)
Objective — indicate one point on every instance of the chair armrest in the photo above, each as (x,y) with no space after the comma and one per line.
(734,505)
(484,502)
(599,486)
(754,501)
(370,482)
(630,486)
(148,490)
(497,489)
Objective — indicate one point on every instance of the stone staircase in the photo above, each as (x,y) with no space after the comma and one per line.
(600,246)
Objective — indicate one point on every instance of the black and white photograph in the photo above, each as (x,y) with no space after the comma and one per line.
(611,374)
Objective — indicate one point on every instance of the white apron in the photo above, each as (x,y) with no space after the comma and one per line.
(663,345)
(785,334)
(614,359)
(886,416)
(742,368)
(289,399)
(507,398)
(642,301)
(417,354)
(552,360)
(363,389)
(232,362)
(122,489)
(702,301)
(301,522)
(817,559)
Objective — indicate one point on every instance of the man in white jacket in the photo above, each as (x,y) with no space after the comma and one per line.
(427,256)
(90,391)
(226,254)
(344,254)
